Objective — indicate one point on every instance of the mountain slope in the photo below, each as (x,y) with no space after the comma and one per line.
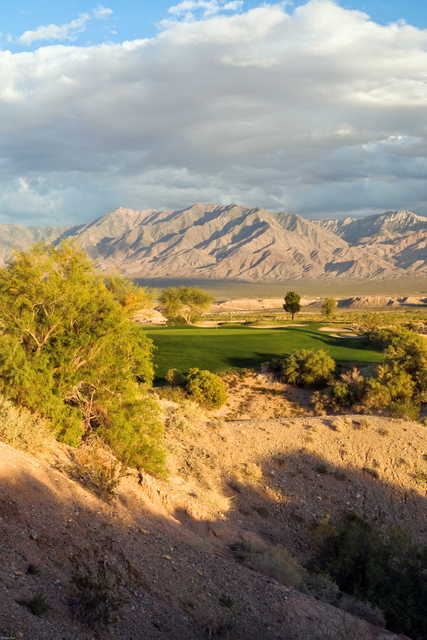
(14,236)
(372,228)
(235,242)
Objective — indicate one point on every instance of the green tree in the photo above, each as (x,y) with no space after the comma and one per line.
(184,304)
(70,352)
(328,307)
(292,303)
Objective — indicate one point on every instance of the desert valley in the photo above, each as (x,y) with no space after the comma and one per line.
(213,320)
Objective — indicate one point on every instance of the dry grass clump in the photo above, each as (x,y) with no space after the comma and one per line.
(95,467)
(273,561)
(97,597)
(183,414)
(37,605)
(22,429)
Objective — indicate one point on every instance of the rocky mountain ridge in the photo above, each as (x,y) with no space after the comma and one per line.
(211,241)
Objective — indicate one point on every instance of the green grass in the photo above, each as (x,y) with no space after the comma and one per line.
(241,347)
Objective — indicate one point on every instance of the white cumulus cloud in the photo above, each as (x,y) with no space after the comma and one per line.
(63,32)
(316,110)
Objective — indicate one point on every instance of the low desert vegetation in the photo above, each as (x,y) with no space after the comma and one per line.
(308,367)
(22,429)
(277,562)
(206,388)
(37,605)
(397,387)
(386,571)
(202,386)
(95,466)
(97,592)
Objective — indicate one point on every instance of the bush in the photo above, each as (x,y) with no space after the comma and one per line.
(70,352)
(308,367)
(95,466)
(344,393)
(38,605)
(398,387)
(322,587)
(174,377)
(22,429)
(273,561)
(393,389)
(364,610)
(182,414)
(407,351)
(206,388)
(386,571)
(97,593)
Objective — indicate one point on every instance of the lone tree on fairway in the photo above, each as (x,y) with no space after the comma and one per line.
(184,304)
(328,307)
(292,303)
(70,352)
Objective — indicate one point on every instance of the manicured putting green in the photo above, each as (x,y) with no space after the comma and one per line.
(223,349)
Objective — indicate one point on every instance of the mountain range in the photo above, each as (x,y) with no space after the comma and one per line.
(241,243)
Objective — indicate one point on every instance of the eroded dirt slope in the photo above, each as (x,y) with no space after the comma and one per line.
(253,471)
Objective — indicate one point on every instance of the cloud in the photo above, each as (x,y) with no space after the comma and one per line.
(63,32)
(316,110)
(102,12)
(189,8)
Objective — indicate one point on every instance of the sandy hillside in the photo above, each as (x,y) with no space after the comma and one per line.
(250,471)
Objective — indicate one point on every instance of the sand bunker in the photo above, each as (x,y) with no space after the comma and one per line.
(275,326)
(206,324)
(336,329)
(345,335)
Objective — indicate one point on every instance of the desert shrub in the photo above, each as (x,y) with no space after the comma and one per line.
(322,587)
(22,429)
(183,414)
(344,393)
(174,377)
(361,609)
(176,395)
(393,389)
(407,351)
(386,571)
(397,388)
(96,467)
(273,561)
(70,352)
(381,338)
(321,468)
(206,388)
(97,591)
(308,367)
(38,605)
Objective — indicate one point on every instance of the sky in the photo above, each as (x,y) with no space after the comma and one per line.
(314,107)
